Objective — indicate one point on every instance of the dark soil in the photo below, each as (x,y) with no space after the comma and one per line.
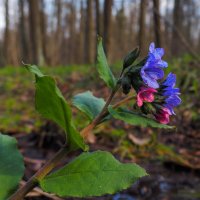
(166,181)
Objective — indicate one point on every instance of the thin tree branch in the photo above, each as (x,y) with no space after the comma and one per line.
(180,35)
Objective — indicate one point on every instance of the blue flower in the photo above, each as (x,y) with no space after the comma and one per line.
(170,91)
(171,102)
(152,70)
(155,56)
(170,80)
(150,75)
(167,87)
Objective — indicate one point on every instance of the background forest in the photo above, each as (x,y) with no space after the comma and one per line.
(62,32)
(60,36)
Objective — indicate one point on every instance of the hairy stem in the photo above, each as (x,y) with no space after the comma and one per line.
(123,101)
(101,115)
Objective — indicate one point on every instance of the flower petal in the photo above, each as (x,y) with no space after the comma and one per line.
(162,116)
(152,47)
(173,100)
(170,80)
(139,101)
(170,91)
(160,52)
(162,64)
(150,82)
(155,72)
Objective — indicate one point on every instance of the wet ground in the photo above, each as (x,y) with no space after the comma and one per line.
(166,180)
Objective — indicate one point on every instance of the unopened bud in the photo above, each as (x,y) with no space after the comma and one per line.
(126,84)
(131,57)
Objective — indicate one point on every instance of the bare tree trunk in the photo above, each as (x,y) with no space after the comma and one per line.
(81,34)
(142,23)
(24,50)
(43,31)
(157,23)
(98,22)
(88,33)
(58,37)
(6,34)
(72,33)
(121,30)
(168,30)
(107,26)
(177,21)
(132,27)
(35,33)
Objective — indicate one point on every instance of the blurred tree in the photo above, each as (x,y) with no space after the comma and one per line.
(24,48)
(98,21)
(177,23)
(43,30)
(7,33)
(157,23)
(142,25)
(80,56)
(66,34)
(72,32)
(168,28)
(98,18)
(121,30)
(132,26)
(190,14)
(35,33)
(88,34)
(107,26)
(58,37)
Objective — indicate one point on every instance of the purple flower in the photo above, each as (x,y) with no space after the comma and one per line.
(172,99)
(150,75)
(155,56)
(152,70)
(168,86)
(171,102)
(170,80)
(170,91)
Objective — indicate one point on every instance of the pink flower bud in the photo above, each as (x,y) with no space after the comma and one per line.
(145,94)
(162,116)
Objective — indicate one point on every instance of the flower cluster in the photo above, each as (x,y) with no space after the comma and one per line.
(163,96)
(154,95)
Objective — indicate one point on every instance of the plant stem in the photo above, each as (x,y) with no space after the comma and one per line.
(33,181)
(98,119)
(123,101)
(102,115)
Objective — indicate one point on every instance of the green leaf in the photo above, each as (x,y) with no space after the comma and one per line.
(131,57)
(51,104)
(135,118)
(92,174)
(11,166)
(102,66)
(35,70)
(88,104)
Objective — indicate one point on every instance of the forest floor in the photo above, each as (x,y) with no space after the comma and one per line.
(172,158)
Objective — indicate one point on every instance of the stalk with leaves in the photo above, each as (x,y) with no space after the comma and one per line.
(91,173)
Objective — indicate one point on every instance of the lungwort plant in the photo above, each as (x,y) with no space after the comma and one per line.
(93,173)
